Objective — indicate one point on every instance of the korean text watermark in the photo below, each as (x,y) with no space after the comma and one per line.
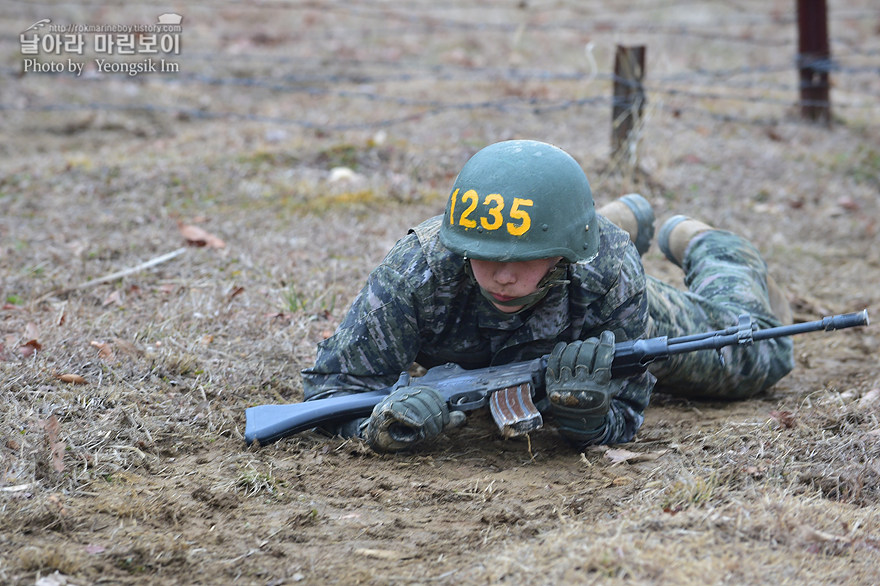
(130,49)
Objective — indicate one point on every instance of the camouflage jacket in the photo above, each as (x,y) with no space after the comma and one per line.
(421,305)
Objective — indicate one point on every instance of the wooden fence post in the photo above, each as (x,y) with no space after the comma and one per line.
(814,60)
(629,98)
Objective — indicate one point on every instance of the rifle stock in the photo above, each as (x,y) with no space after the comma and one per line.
(466,390)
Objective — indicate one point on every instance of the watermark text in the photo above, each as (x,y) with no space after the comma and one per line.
(49,47)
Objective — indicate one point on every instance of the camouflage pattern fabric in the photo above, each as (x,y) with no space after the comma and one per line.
(726,277)
(420,305)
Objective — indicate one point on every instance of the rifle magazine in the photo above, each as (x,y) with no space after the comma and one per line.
(514,411)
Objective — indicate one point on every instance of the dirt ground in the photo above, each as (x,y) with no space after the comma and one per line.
(304,139)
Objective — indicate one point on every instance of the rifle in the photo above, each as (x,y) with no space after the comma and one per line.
(509,389)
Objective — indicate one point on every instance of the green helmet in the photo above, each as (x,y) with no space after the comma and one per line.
(521,200)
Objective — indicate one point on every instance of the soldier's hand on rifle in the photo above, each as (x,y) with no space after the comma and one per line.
(408,416)
(580,387)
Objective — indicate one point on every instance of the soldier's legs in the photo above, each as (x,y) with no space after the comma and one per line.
(726,277)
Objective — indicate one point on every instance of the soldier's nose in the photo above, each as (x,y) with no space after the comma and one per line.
(505,276)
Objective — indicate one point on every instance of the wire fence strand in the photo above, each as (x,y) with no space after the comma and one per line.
(401,82)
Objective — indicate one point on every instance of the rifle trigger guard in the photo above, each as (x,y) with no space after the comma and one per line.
(468,401)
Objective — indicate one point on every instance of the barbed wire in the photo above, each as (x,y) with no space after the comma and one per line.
(323,84)
(419,71)
(353,80)
(533,106)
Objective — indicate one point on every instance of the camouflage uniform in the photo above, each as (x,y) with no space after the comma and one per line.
(422,305)
(725,277)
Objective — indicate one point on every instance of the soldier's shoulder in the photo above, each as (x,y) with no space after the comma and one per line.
(444,264)
(421,260)
(617,255)
(613,241)
(428,235)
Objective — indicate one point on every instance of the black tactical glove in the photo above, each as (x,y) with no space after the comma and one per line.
(580,387)
(408,416)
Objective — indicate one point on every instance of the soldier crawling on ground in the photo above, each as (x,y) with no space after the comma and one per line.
(522,265)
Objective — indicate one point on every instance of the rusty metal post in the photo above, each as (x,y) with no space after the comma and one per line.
(629,96)
(814,60)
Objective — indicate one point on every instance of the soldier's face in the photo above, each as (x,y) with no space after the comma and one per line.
(509,280)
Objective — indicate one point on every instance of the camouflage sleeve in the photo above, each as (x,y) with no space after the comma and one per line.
(625,312)
(379,337)
(628,410)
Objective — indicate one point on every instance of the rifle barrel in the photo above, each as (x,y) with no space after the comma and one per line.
(833,322)
(732,336)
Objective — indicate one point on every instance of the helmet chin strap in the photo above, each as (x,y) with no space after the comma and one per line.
(551,279)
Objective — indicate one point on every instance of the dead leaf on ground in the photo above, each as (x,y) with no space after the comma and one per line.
(56,450)
(105,352)
(849,203)
(785,419)
(28,348)
(281,316)
(56,447)
(196,236)
(114,297)
(31,334)
(62,314)
(73,379)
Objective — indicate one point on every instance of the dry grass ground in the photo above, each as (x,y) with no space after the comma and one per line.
(122,403)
